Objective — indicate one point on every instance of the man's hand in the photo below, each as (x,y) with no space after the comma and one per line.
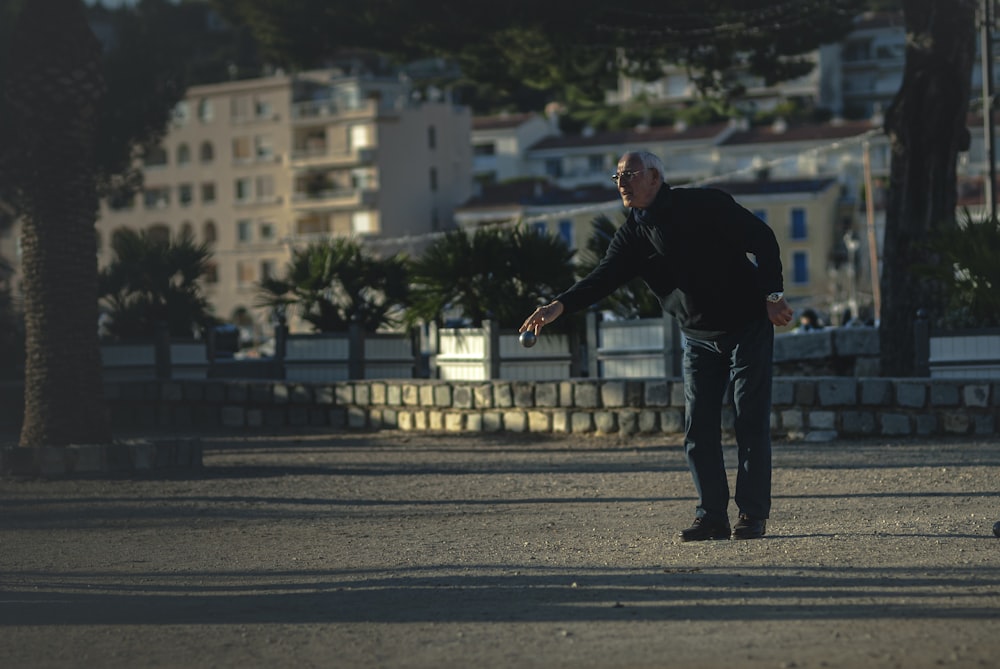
(779,312)
(542,316)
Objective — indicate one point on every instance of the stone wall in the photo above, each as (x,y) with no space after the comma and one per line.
(803,407)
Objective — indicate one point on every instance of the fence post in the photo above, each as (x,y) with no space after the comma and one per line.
(161,342)
(491,343)
(671,346)
(922,344)
(355,352)
(592,337)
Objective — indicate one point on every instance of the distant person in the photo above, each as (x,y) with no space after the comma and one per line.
(690,246)
(808,321)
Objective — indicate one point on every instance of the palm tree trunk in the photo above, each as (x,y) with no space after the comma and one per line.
(927,128)
(52,96)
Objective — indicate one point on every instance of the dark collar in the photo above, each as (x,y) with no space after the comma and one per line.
(653,212)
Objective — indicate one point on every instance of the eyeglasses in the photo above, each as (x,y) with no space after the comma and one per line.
(627,175)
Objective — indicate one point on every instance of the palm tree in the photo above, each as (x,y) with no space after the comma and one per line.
(494,273)
(337,283)
(153,280)
(52,94)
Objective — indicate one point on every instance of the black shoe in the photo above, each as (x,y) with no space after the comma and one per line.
(702,529)
(748,527)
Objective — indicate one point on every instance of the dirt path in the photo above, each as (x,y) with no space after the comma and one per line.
(402,550)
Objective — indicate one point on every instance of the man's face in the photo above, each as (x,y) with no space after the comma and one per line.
(637,185)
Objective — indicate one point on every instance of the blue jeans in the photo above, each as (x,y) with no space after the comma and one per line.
(744,359)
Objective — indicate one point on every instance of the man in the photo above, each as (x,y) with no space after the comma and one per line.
(691,246)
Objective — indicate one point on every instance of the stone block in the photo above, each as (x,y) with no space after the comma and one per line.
(657,394)
(546,394)
(628,422)
(984,424)
(420,421)
(317,416)
(837,391)
(394,395)
(298,416)
(582,421)
(805,393)
(926,423)
(566,392)
(955,422)
(585,395)
(473,422)
(233,416)
(143,455)
(237,393)
(338,417)
(944,394)
(343,394)
(677,394)
(782,392)
(255,418)
(261,392)
(895,424)
(362,394)
(275,417)
(672,421)
(911,394)
(858,422)
(492,421)
(324,395)
(613,394)
(561,422)
(442,395)
(454,421)
(461,396)
(852,342)
(649,421)
(539,421)
(426,392)
(435,420)
(171,391)
(405,421)
(377,393)
(51,460)
(524,394)
(822,420)
(390,418)
(86,458)
(803,345)
(606,422)
(976,395)
(515,421)
(792,419)
(215,392)
(503,395)
(483,396)
(876,392)
(357,418)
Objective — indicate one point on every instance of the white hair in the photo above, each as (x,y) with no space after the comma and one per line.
(650,161)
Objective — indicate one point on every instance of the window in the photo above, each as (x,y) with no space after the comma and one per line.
(263,109)
(159,232)
(798,231)
(566,232)
(266,231)
(208,192)
(206,152)
(206,112)
(263,148)
(553,168)
(266,269)
(183,154)
(361,222)
(121,201)
(187,230)
(242,187)
(156,197)
(484,149)
(241,149)
(265,188)
(434,179)
(182,113)
(246,272)
(761,214)
(431,137)
(595,163)
(211,274)
(185,194)
(244,231)
(541,228)
(155,157)
(209,232)
(239,108)
(800,267)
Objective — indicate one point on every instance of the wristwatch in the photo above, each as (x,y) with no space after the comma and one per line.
(775,297)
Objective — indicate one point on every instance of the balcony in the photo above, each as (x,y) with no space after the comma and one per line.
(321,156)
(335,198)
(324,111)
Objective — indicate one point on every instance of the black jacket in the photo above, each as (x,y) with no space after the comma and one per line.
(690,247)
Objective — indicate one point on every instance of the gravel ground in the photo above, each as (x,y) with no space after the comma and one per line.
(441,550)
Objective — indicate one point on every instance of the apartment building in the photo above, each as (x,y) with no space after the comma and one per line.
(256,168)
(499,143)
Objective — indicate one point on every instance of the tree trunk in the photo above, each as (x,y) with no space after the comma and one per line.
(927,128)
(52,95)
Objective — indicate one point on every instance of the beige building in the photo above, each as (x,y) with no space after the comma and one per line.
(258,167)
